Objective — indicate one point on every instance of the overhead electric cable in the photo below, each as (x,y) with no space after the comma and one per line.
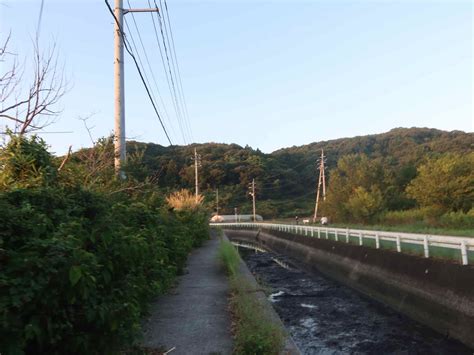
(38,26)
(179,73)
(166,115)
(170,64)
(163,62)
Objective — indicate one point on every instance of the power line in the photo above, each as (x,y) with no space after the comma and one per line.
(166,115)
(126,45)
(173,66)
(183,98)
(170,64)
(38,26)
(173,101)
(137,54)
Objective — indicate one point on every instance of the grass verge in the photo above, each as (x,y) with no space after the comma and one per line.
(254,330)
(468,232)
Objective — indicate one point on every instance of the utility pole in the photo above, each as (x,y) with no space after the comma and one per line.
(197,163)
(217,201)
(252,193)
(323,173)
(119,134)
(321,180)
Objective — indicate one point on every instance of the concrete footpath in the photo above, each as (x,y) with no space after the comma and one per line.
(193,318)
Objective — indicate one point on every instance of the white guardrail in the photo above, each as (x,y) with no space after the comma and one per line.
(463,244)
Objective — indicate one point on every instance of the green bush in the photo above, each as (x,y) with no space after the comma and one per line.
(457,219)
(25,162)
(79,268)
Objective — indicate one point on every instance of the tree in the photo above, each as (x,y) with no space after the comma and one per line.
(445,183)
(356,189)
(33,107)
(364,205)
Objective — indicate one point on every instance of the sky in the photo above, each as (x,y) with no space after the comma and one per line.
(269,74)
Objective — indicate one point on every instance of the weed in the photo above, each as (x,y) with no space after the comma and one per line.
(255,333)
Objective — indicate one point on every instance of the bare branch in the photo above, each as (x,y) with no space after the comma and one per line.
(66,158)
(36,107)
(88,129)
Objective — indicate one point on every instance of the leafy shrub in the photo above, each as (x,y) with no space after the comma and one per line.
(79,268)
(25,162)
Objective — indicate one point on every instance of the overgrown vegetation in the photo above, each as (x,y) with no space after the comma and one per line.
(80,262)
(255,333)
(441,194)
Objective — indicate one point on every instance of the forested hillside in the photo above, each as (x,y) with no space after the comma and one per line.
(286,178)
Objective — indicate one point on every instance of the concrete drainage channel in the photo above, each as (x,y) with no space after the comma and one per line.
(325,317)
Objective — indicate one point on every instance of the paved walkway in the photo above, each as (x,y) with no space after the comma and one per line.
(193,318)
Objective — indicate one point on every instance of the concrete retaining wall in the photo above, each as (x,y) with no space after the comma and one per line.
(436,293)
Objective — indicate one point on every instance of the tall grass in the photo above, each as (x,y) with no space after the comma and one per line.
(255,333)
(229,257)
(184,200)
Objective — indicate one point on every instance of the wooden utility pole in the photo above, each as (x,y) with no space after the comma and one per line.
(119,132)
(252,193)
(321,180)
(197,163)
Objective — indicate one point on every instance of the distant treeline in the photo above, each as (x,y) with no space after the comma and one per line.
(368,176)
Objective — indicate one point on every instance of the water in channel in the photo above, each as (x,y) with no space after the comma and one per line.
(325,317)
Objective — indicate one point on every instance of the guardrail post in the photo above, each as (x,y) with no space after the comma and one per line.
(312,231)
(319,233)
(305,230)
(361,239)
(377,241)
(399,244)
(335,235)
(464,252)
(425,246)
(327,234)
(347,235)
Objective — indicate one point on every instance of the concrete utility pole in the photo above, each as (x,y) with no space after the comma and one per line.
(217,201)
(119,135)
(197,163)
(252,193)
(322,179)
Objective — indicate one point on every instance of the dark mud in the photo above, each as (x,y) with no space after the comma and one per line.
(324,317)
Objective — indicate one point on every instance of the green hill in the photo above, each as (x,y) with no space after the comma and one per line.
(286,178)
